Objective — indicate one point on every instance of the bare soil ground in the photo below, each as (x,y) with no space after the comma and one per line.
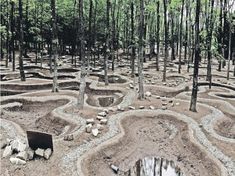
(202,144)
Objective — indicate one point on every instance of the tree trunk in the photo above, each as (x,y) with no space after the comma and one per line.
(113,34)
(90,35)
(140,56)
(197,58)
(132,40)
(166,40)
(21,39)
(82,57)
(158,36)
(107,45)
(220,41)
(55,46)
(172,38)
(26,22)
(12,46)
(229,50)
(209,40)
(181,31)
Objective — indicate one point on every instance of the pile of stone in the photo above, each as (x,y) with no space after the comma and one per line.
(94,127)
(20,153)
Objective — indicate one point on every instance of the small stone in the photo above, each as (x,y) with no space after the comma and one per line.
(68,137)
(163,98)
(177,103)
(119,108)
(99,117)
(172,104)
(47,153)
(88,128)
(131,107)
(18,146)
(158,97)
(148,94)
(30,153)
(141,107)
(164,83)
(91,121)
(164,107)
(114,168)
(164,103)
(95,132)
(22,155)
(102,114)
(151,107)
(106,111)
(100,127)
(17,161)
(131,86)
(7,152)
(103,121)
(39,152)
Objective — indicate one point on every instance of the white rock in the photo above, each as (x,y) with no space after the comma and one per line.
(100,127)
(106,111)
(158,97)
(17,161)
(103,114)
(177,104)
(103,121)
(95,132)
(163,98)
(141,107)
(99,117)
(18,146)
(92,121)
(7,152)
(164,103)
(131,107)
(164,107)
(30,153)
(151,107)
(47,153)
(39,152)
(131,86)
(88,128)
(164,83)
(22,155)
(148,94)
(119,108)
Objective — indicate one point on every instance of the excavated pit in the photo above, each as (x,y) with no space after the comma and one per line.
(36,116)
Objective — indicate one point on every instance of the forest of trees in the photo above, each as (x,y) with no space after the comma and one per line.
(186,31)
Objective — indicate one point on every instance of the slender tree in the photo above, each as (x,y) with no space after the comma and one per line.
(107,45)
(55,46)
(166,39)
(132,40)
(158,35)
(82,57)
(140,56)
(181,33)
(197,58)
(21,39)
